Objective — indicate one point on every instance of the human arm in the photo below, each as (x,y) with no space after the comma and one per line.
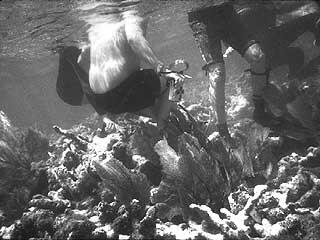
(228,51)
(217,75)
(217,90)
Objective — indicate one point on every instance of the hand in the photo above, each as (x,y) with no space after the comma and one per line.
(160,68)
(254,53)
(228,51)
(175,78)
(224,133)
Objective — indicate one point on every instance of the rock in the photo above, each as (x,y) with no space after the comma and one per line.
(288,166)
(275,215)
(299,185)
(313,233)
(108,212)
(122,209)
(238,199)
(88,202)
(122,224)
(120,152)
(6,232)
(88,183)
(177,219)
(148,224)
(141,142)
(136,210)
(152,171)
(105,232)
(71,160)
(107,196)
(34,224)
(73,227)
(307,221)
(310,199)
(312,160)
(267,201)
(56,206)
(101,145)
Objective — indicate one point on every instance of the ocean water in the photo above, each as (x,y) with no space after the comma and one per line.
(32,30)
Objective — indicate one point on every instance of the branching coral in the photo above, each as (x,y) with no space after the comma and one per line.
(286,208)
(78,139)
(190,176)
(234,226)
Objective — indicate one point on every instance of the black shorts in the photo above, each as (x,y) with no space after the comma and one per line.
(210,25)
(137,92)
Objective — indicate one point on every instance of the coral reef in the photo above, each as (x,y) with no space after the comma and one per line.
(123,178)
(131,182)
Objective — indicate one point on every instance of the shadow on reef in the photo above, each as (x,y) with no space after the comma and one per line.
(128,181)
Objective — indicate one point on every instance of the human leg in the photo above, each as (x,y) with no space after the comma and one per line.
(208,39)
(217,76)
(259,80)
(160,110)
(239,37)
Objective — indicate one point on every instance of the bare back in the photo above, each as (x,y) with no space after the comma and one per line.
(112,56)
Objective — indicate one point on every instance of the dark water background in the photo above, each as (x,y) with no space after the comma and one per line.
(31,30)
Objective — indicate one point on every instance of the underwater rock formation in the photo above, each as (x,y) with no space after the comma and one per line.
(286,208)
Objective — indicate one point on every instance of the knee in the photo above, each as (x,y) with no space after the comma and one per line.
(216,74)
(255,55)
(216,69)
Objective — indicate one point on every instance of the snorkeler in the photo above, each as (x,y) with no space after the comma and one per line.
(108,73)
(218,21)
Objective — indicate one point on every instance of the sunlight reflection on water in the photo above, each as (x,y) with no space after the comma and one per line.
(35,28)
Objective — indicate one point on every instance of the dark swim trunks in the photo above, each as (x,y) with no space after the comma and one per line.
(137,92)
(212,24)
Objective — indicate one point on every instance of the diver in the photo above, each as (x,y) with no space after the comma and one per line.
(107,73)
(216,21)
(211,23)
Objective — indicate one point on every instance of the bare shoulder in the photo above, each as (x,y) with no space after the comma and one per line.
(133,17)
(135,24)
